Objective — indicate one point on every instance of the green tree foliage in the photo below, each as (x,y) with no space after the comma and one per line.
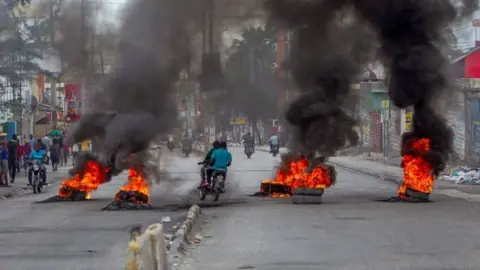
(251,74)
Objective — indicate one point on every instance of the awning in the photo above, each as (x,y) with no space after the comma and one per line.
(43,121)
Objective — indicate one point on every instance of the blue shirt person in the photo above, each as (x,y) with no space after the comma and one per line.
(38,154)
(274,140)
(221,158)
(3,153)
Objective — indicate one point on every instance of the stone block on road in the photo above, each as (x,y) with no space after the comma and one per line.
(148,250)
(307,195)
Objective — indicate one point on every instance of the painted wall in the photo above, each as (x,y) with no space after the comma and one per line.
(472,65)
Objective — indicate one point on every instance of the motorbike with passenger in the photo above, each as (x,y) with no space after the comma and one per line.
(214,172)
(37,173)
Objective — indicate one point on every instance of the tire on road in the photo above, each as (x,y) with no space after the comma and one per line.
(307,195)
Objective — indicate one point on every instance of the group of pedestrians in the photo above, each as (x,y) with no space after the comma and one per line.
(15,155)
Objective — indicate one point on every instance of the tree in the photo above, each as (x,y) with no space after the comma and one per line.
(250,73)
(17,58)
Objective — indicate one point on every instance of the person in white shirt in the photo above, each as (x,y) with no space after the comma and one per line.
(273,141)
(75,150)
(47,142)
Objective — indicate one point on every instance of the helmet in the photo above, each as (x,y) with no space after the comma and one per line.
(216,144)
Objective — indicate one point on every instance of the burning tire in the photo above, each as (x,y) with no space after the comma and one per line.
(299,181)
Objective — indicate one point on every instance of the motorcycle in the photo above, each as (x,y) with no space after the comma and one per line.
(37,176)
(216,187)
(187,150)
(249,150)
(170,146)
(275,150)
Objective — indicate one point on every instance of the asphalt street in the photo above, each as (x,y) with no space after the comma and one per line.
(350,230)
(78,235)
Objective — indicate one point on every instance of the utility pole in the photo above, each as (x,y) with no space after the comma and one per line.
(53,89)
(281,78)
(208,39)
(85,73)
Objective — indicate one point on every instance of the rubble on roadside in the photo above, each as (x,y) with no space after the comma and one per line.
(463,175)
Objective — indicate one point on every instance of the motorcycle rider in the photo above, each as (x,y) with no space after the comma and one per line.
(248,141)
(38,154)
(187,142)
(221,159)
(207,172)
(273,141)
(171,142)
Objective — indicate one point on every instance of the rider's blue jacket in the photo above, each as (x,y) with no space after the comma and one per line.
(38,155)
(222,158)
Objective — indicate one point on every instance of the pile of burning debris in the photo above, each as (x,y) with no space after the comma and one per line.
(306,183)
(300,180)
(134,195)
(418,172)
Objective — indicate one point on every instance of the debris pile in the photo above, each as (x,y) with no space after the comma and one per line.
(463,175)
(134,195)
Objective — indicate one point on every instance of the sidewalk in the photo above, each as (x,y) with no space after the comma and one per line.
(20,186)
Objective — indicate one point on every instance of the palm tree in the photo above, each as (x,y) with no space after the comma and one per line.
(251,73)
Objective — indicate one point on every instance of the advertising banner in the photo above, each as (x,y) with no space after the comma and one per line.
(73,102)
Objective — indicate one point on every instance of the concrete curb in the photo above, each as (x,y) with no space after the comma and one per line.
(391,179)
(147,251)
(177,243)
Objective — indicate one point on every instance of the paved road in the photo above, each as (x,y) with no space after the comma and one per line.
(349,231)
(78,235)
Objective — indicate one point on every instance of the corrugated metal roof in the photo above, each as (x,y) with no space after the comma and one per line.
(465,55)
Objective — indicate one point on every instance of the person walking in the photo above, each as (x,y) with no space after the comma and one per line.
(65,153)
(47,142)
(75,150)
(3,165)
(31,141)
(12,157)
(61,143)
(19,156)
(27,149)
(55,156)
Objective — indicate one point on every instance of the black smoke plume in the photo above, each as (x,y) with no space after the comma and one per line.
(410,35)
(136,104)
(333,40)
(329,48)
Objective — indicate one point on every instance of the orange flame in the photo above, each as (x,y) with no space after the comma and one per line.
(417,173)
(296,177)
(94,175)
(136,182)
